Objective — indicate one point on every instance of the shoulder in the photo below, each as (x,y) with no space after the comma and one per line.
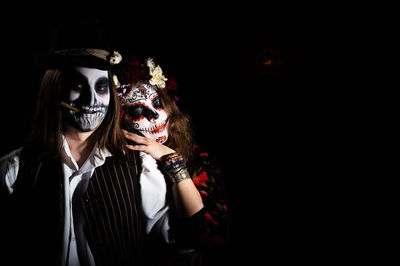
(9,166)
(11,158)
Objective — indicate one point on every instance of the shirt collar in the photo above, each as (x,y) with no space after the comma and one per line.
(96,158)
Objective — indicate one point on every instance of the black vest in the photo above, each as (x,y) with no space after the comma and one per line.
(111,208)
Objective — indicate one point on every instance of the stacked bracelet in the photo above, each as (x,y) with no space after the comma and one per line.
(175,168)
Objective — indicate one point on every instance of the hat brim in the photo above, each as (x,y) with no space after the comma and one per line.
(61,61)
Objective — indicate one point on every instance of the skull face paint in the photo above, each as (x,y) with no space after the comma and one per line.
(85,89)
(144,112)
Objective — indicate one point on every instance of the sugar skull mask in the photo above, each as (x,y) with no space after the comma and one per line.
(86,95)
(144,113)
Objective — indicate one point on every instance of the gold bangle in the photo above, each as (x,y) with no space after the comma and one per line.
(179,175)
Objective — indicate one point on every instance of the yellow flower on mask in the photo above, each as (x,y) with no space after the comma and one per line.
(157,77)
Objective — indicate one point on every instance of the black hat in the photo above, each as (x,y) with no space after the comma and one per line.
(81,43)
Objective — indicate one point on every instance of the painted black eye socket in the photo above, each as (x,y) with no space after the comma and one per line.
(73,81)
(77,87)
(136,111)
(102,89)
(102,86)
(157,103)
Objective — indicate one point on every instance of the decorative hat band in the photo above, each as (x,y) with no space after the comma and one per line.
(113,58)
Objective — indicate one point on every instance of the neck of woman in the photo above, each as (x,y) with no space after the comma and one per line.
(80,144)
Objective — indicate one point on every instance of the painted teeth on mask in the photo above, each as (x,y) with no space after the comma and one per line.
(149,130)
(90,116)
(89,109)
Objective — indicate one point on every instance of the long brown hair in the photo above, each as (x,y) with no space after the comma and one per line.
(47,126)
(180,133)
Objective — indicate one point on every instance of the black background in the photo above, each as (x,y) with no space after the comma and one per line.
(265,127)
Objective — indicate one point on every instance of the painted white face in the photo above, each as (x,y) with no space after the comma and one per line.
(86,89)
(144,112)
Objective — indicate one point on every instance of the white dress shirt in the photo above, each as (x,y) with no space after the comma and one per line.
(76,181)
(154,199)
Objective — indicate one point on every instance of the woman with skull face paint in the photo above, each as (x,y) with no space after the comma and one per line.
(183,201)
(70,195)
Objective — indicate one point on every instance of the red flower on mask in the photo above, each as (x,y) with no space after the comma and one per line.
(171,85)
(132,71)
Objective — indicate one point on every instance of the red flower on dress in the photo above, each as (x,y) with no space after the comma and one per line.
(203,193)
(209,218)
(200,179)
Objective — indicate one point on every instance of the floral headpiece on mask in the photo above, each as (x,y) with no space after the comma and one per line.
(134,71)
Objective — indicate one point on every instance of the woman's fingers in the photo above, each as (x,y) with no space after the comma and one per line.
(134,137)
(151,147)
(137,139)
(136,147)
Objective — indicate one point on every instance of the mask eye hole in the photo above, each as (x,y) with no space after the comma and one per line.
(136,111)
(157,103)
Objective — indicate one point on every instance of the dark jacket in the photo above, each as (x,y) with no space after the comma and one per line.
(32,226)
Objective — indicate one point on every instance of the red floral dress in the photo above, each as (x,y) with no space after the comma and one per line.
(210,226)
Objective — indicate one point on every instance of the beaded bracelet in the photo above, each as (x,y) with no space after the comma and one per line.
(174,164)
(174,158)
(175,168)
(170,156)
